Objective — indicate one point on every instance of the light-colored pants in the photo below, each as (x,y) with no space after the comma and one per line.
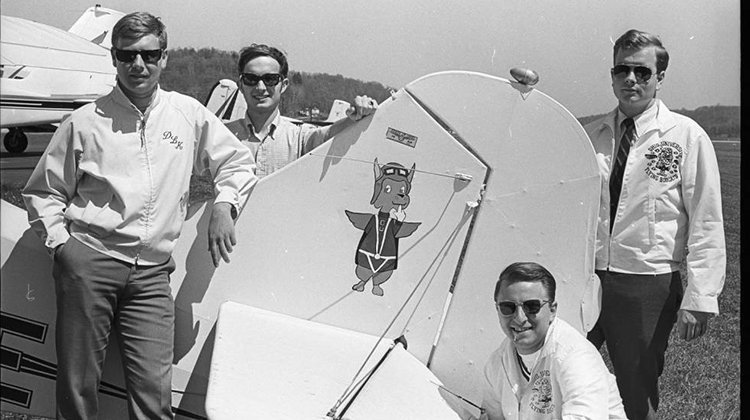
(97,294)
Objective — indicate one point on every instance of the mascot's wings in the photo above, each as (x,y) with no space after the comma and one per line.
(359,220)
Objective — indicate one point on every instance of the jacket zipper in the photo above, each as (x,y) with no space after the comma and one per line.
(149,204)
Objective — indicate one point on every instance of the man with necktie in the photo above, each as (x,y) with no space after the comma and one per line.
(660,211)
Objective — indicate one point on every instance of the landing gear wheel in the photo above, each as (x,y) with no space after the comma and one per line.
(15,141)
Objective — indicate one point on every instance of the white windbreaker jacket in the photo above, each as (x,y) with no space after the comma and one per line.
(670,204)
(569,381)
(118,179)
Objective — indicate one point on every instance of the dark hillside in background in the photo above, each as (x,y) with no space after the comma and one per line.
(719,121)
(194,72)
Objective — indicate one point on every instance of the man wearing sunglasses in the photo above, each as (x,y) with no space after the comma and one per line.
(545,368)
(275,141)
(108,198)
(660,208)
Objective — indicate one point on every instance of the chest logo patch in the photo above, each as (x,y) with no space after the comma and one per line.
(541,398)
(663,163)
(172,139)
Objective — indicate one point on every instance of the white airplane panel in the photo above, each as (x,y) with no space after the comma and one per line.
(269,365)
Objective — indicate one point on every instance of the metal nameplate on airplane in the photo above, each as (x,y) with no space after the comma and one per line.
(401,137)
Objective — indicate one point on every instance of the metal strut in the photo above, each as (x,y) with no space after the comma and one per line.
(332,412)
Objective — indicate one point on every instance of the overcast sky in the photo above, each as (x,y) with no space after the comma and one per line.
(569,43)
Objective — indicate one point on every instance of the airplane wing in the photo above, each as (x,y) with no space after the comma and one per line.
(48,72)
(39,46)
(313,360)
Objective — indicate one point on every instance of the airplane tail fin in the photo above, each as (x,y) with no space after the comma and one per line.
(95,25)
(225,101)
(338,110)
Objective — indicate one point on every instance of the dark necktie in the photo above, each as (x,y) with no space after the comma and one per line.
(615,181)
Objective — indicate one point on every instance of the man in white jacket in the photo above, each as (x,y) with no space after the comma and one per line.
(108,198)
(545,368)
(660,209)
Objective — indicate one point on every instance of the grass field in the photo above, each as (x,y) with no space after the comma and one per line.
(701,379)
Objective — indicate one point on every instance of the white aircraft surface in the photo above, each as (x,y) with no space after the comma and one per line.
(497,171)
(48,72)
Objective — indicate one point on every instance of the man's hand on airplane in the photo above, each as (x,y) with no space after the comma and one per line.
(363,106)
(221,237)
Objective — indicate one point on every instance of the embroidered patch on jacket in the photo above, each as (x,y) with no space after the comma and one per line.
(173,140)
(664,161)
(541,399)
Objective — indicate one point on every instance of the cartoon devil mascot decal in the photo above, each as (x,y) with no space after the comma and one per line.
(377,252)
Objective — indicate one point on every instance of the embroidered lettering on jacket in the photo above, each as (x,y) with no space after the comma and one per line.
(664,161)
(541,399)
(173,140)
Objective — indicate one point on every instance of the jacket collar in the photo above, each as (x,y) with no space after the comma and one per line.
(119,97)
(548,348)
(663,120)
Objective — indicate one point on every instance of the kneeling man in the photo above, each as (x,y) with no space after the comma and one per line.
(546,369)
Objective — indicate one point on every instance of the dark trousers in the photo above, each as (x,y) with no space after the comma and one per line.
(638,313)
(97,295)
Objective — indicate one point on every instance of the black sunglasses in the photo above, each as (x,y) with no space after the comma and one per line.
(269,79)
(128,56)
(642,73)
(530,307)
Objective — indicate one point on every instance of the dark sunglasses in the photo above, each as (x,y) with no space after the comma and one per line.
(269,79)
(642,73)
(530,307)
(128,56)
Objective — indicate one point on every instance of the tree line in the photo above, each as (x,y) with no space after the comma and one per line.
(194,72)
(719,121)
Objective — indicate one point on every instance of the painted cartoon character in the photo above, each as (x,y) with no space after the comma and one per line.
(377,252)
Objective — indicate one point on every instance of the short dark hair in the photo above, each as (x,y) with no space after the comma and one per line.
(137,25)
(527,271)
(263,50)
(636,40)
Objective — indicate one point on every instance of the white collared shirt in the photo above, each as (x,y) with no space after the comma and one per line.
(278,143)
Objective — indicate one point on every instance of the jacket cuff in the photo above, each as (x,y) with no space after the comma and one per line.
(700,303)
